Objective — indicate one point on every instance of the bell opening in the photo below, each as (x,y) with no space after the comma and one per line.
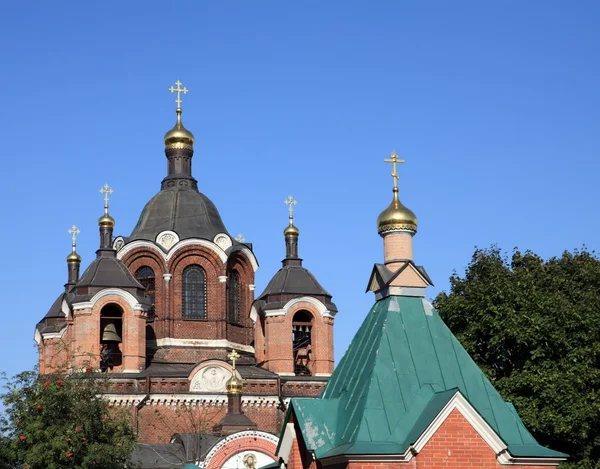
(111,333)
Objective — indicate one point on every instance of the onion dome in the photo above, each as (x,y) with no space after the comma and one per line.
(234,384)
(179,136)
(291,229)
(396,217)
(73,258)
(106,220)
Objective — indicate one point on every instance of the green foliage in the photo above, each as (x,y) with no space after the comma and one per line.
(534,327)
(62,421)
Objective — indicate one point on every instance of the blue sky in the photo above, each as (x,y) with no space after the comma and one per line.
(494,105)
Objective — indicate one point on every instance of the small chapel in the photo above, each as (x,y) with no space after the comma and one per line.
(215,376)
(169,314)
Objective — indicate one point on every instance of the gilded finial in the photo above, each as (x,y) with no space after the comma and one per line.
(178,90)
(394,160)
(234,384)
(106,219)
(291,230)
(396,217)
(73,257)
(233,356)
(179,137)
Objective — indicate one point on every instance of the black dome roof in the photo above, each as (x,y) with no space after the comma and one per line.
(185,211)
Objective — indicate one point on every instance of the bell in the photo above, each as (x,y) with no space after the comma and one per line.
(109,334)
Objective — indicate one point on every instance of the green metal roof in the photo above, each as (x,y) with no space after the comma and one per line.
(400,370)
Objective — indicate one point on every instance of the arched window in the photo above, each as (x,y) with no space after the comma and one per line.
(194,292)
(302,342)
(234,297)
(145,275)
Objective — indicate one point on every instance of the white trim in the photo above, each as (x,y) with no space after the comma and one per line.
(181,244)
(222,278)
(253,314)
(236,436)
(194,399)
(400,291)
(128,297)
(252,287)
(160,236)
(131,371)
(287,440)
(321,308)
(167,277)
(204,343)
(322,374)
(251,257)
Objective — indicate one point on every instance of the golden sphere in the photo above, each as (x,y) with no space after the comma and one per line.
(396,217)
(179,136)
(74,258)
(291,230)
(106,220)
(234,385)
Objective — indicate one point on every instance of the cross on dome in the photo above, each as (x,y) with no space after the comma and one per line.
(233,356)
(178,90)
(394,160)
(106,190)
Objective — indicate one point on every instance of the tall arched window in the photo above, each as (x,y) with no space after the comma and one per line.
(194,292)
(302,323)
(234,297)
(145,275)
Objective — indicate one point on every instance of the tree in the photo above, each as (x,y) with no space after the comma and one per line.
(533,326)
(62,421)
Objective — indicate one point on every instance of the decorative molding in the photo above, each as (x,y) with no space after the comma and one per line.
(321,308)
(399,291)
(250,255)
(191,399)
(128,297)
(253,314)
(204,343)
(223,241)
(167,239)
(236,436)
(210,378)
(167,256)
(286,442)
(118,243)
(167,277)
(222,278)
(251,287)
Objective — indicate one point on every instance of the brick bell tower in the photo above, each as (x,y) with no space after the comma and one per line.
(99,322)
(294,317)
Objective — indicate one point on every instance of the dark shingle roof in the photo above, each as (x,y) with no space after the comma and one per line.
(54,320)
(184,210)
(108,272)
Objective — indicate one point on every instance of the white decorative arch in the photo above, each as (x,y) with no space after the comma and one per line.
(167,256)
(321,308)
(167,239)
(236,436)
(128,297)
(251,257)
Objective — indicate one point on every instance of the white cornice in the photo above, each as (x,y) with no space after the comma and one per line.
(125,295)
(321,308)
(204,343)
(206,400)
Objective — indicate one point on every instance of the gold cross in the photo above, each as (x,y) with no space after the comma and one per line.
(106,190)
(74,231)
(394,160)
(233,356)
(179,90)
(290,202)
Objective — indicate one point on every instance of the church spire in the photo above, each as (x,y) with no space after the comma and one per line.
(179,148)
(106,224)
(291,234)
(73,259)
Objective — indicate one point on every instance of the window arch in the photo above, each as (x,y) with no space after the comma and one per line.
(234,297)
(302,323)
(194,292)
(145,275)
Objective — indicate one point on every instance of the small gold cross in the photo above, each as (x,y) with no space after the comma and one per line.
(74,231)
(178,90)
(394,160)
(290,202)
(233,356)
(106,190)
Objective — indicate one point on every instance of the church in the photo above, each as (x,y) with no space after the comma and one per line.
(218,376)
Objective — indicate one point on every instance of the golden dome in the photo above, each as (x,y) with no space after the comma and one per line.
(179,136)
(396,217)
(234,384)
(106,220)
(74,258)
(291,230)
